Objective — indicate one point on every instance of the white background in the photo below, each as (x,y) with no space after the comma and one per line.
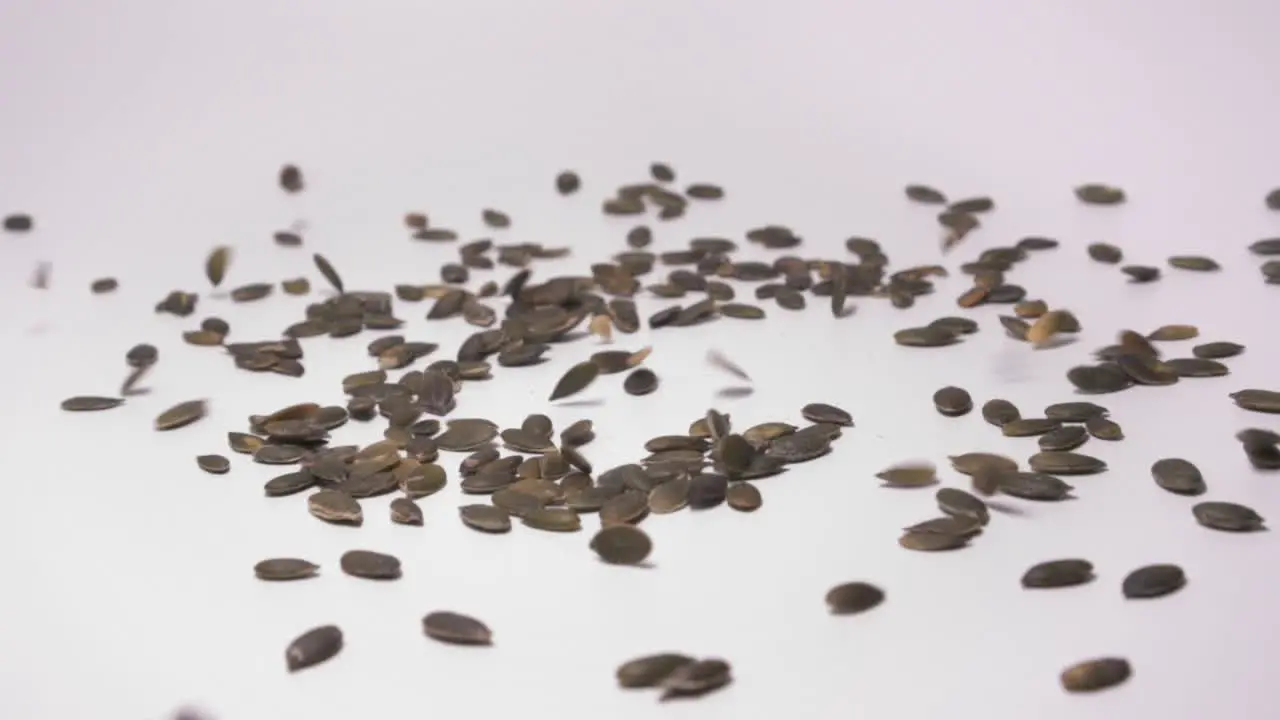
(141,134)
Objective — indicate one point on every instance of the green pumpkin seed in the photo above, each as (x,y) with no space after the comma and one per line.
(215,266)
(1094,675)
(281,569)
(1065,463)
(1227,516)
(1196,263)
(370,565)
(1104,429)
(925,195)
(90,403)
(1217,350)
(1178,476)
(181,415)
(651,670)
(909,475)
(1068,437)
(1058,574)
(852,598)
(1034,486)
(743,497)
(1099,194)
(575,380)
(214,464)
(456,629)
(952,401)
(696,678)
(1265,401)
(1153,581)
(313,647)
(622,544)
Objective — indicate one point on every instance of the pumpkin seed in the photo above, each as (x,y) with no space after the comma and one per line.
(1058,574)
(1065,463)
(575,380)
(1094,675)
(622,544)
(909,475)
(456,628)
(998,412)
(335,506)
(214,464)
(313,647)
(89,403)
(650,670)
(744,497)
(852,598)
(1153,581)
(1099,194)
(1227,516)
(181,415)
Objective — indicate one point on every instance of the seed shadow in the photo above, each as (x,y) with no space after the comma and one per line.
(734,393)
(582,403)
(646,565)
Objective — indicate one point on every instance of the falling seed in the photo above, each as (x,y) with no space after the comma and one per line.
(1105,253)
(1217,350)
(696,678)
(1058,574)
(1264,401)
(1153,581)
(291,179)
(718,360)
(567,182)
(1178,476)
(999,412)
(602,327)
(1141,273)
(852,598)
(925,195)
(1065,463)
(1099,194)
(1094,675)
(622,544)
(575,380)
(215,266)
(313,647)
(181,415)
(1167,333)
(704,191)
(18,222)
(213,464)
(456,629)
(330,275)
(335,506)
(1068,437)
(1195,263)
(89,403)
(1104,429)
(909,475)
(824,413)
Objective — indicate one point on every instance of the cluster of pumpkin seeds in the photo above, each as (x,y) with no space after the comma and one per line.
(545,480)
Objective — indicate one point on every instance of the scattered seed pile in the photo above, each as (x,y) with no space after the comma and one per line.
(544,479)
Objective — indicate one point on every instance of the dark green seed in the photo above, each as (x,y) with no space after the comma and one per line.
(1141,273)
(313,647)
(1265,401)
(279,454)
(1015,327)
(670,496)
(956,325)
(1037,243)
(1074,411)
(651,670)
(926,337)
(1104,429)
(552,519)
(1028,427)
(456,629)
(932,541)
(972,205)
(1068,437)
(852,598)
(1197,263)
(1269,246)
(947,525)
(1105,253)
(290,483)
(743,497)
(1227,516)
(998,412)
(279,569)
(824,413)
(1058,574)
(742,311)
(1099,379)
(696,678)
(952,401)
(909,475)
(662,172)
(1099,194)
(1178,476)
(1196,367)
(90,403)
(704,191)
(707,490)
(405,512)
(181,415)
(973,463)
(1217,350)
(958,503)
(495,219)
(568,182)
(925,194)
(641,381)
(1173,333)
(215,464)
(1153,581)
(622,544)
(370,565)
(1034,486)
(326,269)
(485,518)
(1065,463)
(575,380)
(1094,675)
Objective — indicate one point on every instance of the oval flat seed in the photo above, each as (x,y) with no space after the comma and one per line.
(973,463)
(279,454)
(1068,437)
(89,403)
(1266,401)
(552,519)
(852,598)
(1217,350)
(1141,273)
(1058,574)
(335,506)
(485,518)
(313,647)
(1099,379)
(1074,411)
(1028,427)
(707,490)
(426,479)
(1103,429)
(215,464)
(285,569)
(925,194)
(1178,476)
(456,629)
(744,497)
(575,380)
(1196,263)
(1099,194)
(947,525)
(1065,463)
(180,415)
(696,678)
(823,413)
(370,565)
(1105,253)
(909,475)
(670,496)
(956,325)
(1034,486)
(932,541)
(405,512)
(651,670)
(998,412)
(1227,516)
(926,337)
(1094,675)
(1172,333)
(622,544)
(1153,581)
(289,483)
(952,401)
(640,381)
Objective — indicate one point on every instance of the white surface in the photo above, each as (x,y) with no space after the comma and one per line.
(141,134)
